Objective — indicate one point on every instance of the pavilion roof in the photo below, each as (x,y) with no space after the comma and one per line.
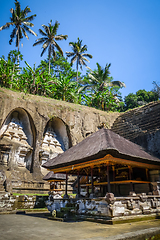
(52,176)
(98,145)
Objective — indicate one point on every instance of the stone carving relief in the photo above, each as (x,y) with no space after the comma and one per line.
(4,155)
(50,148)
(15,135)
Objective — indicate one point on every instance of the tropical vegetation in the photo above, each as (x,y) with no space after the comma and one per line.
(55,76)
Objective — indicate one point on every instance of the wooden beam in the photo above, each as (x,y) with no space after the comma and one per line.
(107,159)
(117,182)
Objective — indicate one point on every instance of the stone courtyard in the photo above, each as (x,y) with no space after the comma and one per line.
(38,227)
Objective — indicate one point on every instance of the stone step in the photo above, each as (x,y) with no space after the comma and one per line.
(140,122)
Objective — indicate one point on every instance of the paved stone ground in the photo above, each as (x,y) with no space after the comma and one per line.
(38,227)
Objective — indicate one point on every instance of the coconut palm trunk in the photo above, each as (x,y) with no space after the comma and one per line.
(77,70)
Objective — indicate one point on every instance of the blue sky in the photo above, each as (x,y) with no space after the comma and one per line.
(125,33)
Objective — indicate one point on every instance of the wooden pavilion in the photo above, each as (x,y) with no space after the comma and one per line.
(108,161)
(55,180)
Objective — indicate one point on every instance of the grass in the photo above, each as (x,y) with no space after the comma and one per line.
(30,194)
(31,209)
(156,237)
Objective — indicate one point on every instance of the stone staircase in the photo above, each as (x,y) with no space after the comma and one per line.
(140,125)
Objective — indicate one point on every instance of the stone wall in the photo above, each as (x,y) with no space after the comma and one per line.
(34,129)
(109,206)
(10,202)
(141,126)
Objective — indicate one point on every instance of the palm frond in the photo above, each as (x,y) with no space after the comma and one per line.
(69,54)
(82,62)
(71,43)
(55,28)
(7,25)
(28,24)
(13,34)
(46,28)
(45,44)
(42,32)
(73,59)
(118,83)
(44,49)
(84,59)
(26,11)
(29,30)
(58,48)
(92,77)
(25,34)
(87,55)
(30,18)
(61,37)
(39,41)
(18,8)
(83,48)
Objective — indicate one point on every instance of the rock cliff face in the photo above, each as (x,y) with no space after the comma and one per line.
(141,126)
(34,129)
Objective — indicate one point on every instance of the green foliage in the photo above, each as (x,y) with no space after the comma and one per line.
(65,88)
(54,77)
(58,66)
(141,97)
(9,68)
(101,91)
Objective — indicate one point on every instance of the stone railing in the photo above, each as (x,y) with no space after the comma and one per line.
(109,206)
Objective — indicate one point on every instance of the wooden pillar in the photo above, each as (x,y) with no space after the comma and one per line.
(113,169)
(87,186)
(148,179)
(130,178)
(78,183)
(92,184)
(147,174)
(66,195)
(108,179)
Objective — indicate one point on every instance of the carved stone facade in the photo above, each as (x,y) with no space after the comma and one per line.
(51,145)
(34,129)
(13,133)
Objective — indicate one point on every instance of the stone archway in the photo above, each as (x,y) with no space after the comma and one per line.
(17,136)
(56,140)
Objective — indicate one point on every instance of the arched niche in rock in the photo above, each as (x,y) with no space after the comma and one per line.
(56,140)
(17,136)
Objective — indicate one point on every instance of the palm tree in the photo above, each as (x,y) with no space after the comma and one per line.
(21,24)
(78,54)
(49,40)
(99,79)
(102,85)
